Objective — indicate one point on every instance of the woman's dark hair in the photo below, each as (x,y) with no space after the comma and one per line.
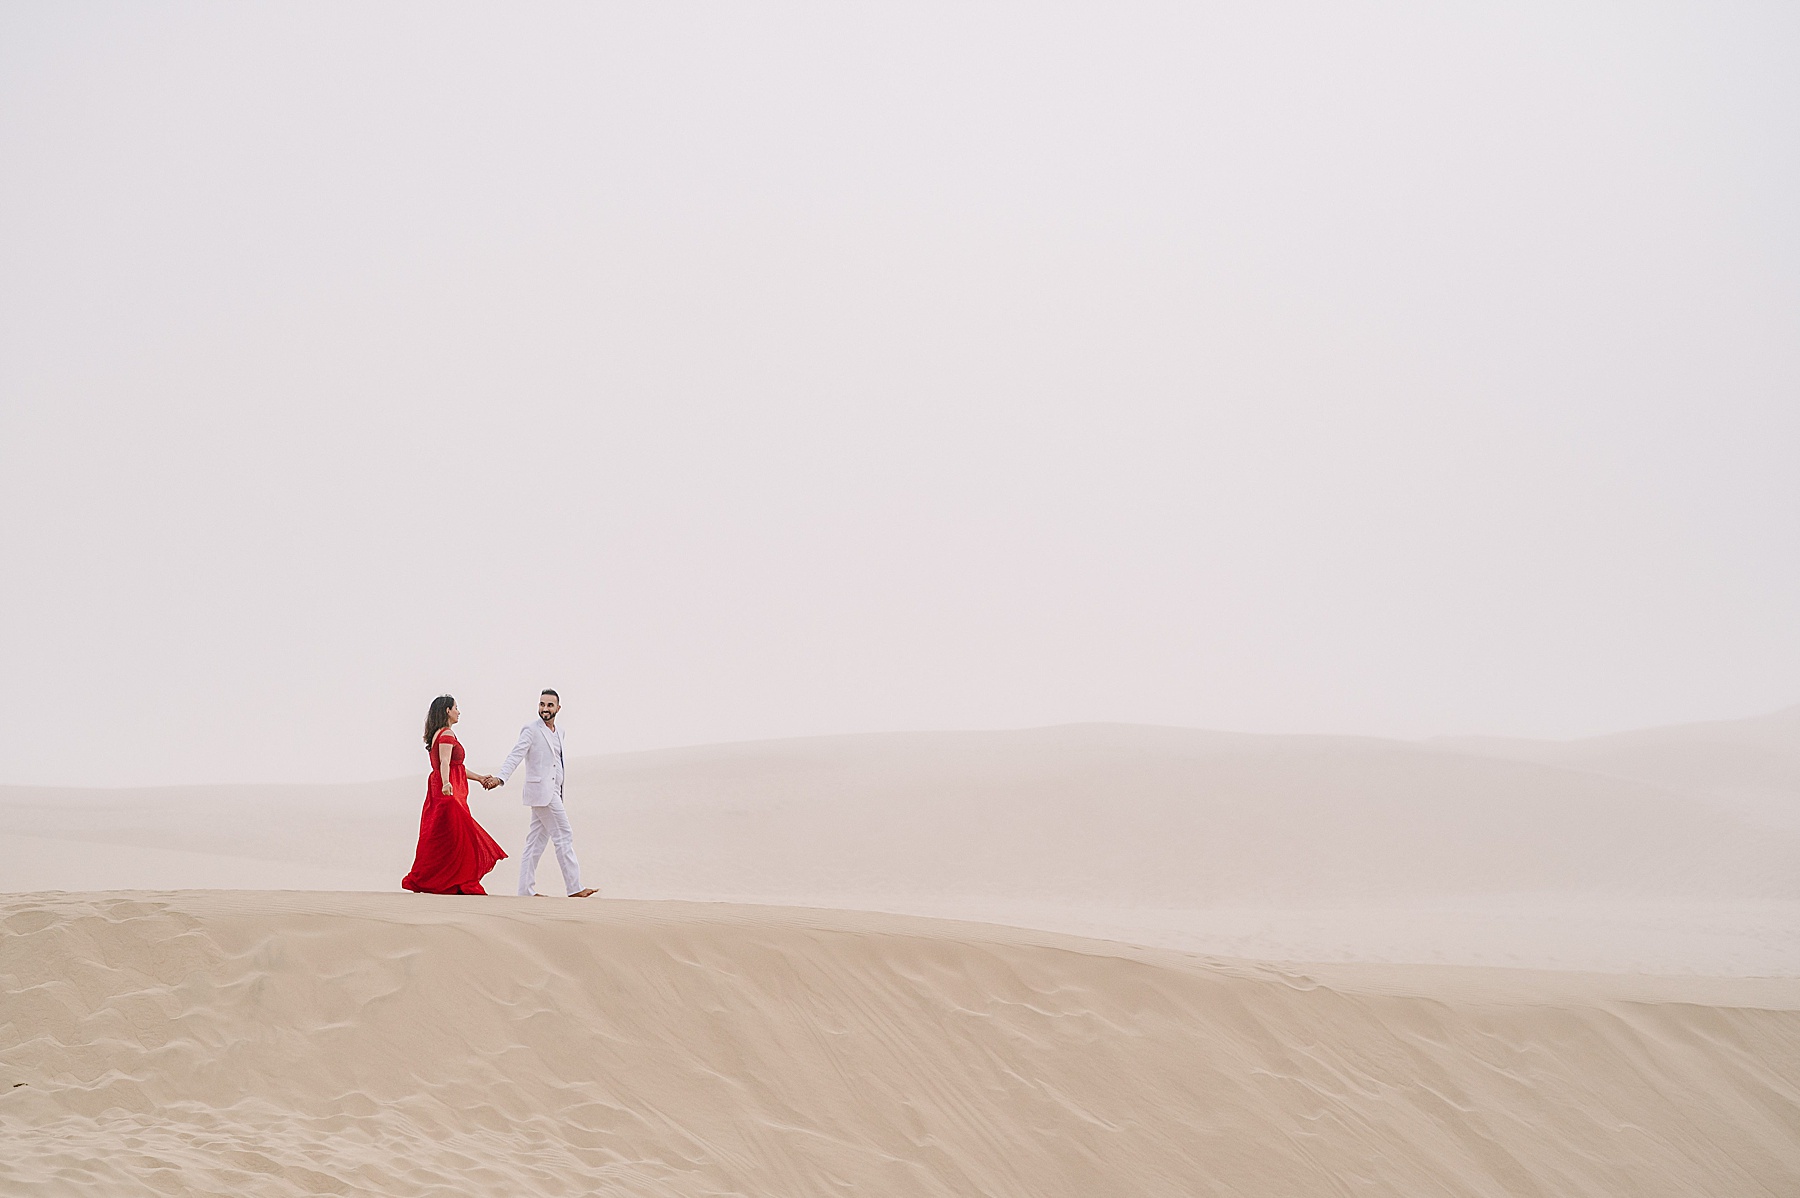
(438,718)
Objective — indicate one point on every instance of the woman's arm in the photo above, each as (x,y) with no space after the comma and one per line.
(444,751)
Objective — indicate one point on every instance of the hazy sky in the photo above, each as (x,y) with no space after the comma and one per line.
(766,370)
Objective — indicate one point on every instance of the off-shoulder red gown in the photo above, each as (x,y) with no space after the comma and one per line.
(455,852)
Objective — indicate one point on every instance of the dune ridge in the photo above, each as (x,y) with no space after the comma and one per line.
(1665,851)
(249,1043)
(1750,767)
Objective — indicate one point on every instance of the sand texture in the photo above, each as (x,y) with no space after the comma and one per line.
(255,1044)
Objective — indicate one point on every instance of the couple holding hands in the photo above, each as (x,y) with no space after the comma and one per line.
(455,852)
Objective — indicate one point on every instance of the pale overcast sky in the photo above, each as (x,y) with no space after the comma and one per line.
(768,370)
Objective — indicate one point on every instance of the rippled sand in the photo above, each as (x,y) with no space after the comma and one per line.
(255,1043)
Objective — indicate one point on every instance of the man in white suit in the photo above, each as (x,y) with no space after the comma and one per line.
(540,747)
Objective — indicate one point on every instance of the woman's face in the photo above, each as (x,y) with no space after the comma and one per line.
(453,715)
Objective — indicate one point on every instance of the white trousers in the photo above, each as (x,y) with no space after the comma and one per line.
(549,825)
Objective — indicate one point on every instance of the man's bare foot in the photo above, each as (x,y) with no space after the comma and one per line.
(584,893)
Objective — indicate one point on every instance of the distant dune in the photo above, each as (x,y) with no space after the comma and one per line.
(1751,767)
(1664,851)
(238,1043)
(1671,851)
(207,1025)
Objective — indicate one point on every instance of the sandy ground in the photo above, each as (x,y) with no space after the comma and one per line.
(1288,991)
(1668,851)
(254,1043)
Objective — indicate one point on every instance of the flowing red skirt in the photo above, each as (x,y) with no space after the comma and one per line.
(455,852)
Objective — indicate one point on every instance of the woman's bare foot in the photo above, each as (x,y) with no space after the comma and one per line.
(584,893)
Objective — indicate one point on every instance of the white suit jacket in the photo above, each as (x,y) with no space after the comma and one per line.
(537,749)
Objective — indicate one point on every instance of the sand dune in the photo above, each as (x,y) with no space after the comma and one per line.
(232,837)
(1751,767)
(1298,848)
(253,1044)
(1171,817)
(240,1041)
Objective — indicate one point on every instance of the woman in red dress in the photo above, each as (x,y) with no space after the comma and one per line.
(455,852)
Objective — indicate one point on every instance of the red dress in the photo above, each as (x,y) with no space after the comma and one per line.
(455,852)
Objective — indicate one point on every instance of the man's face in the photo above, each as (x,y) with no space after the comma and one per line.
(548,707)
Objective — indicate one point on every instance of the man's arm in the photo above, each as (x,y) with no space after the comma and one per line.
(517,755)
